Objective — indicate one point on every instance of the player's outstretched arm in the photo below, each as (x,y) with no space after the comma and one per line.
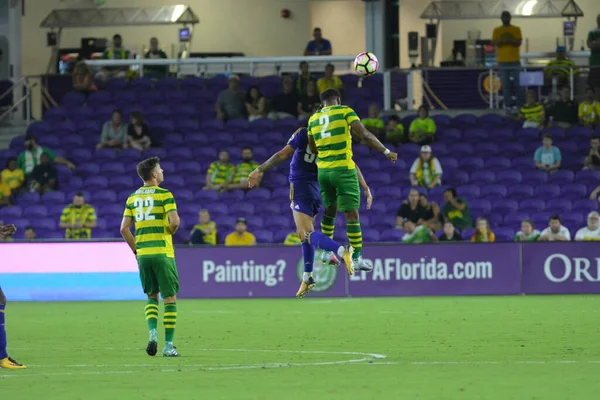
(272,162)
(174,221)
(371,140)
(363,184)
(126,223)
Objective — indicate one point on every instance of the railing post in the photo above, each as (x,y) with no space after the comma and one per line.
(492,87)
(410,90)
(571,82)
(27,102)
(387,90)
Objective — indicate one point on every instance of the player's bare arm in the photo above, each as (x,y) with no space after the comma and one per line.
(371,140)
(174,221)
(126,224)
(272,162)
(363,184)
(313,145)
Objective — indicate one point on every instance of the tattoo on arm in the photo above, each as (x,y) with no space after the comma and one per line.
(272,162)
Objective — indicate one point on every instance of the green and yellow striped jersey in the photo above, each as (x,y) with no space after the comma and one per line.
(242,170)
(85,214)
(220,173)
(292,239)
(149,206)
(534,113)
(330,128)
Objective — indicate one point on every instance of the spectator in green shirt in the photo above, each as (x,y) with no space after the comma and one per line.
(394,130)
(417,234)
(456,210)
(374,123)
(219,173)
(593,42)
(528,233)
(30,158)
(115,52)
(422,130)
(155,53)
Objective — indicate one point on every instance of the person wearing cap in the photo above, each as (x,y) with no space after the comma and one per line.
(591,232)
(426,171)
(417,234)
(560,68)
(508,39)
(30,158)
(422,129)
(241,236)
(231,103)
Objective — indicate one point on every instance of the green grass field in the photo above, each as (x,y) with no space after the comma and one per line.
(392,348)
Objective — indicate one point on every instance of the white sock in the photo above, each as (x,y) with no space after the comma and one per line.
(306,276)
(341,251)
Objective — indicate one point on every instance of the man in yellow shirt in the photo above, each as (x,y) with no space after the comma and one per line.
(78,218)
(589,110)
(507,38)
(329,81)
(241,237)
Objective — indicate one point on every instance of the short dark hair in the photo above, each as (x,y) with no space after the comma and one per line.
(330,94)
(117,36)
(30,137)
(79,193)
(146,167)
(137,116)
(451,190)
(590,89)
(29,227)
(592,138)
(247,148)
(9,160)
(303,63)
(330,66)
(317,29)
(555,217)
(547,136)
(117,111)
(394,118)
(530,222)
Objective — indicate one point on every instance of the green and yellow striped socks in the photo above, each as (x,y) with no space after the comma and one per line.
(152,313)
(170,320)
(355,237)
(327,226)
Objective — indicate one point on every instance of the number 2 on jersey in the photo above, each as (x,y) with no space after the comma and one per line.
(139,204)
(324,122)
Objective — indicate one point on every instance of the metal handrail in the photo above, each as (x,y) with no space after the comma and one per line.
(25,99)
(17,83)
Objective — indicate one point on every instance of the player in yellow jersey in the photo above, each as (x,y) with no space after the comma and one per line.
(154,213)
(330,137)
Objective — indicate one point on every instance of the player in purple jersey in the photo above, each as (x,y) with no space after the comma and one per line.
(5,360)
(305,199)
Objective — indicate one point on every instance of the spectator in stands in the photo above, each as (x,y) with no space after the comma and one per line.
(241,236)
(114,132)
(44,177)
(450,234)
(564,112)
(292,239)
(303,79)
(115,52)
(12,177)
(417,234)
(596,194)
(456,210)
(591,232)
(83,79)
(30,158)
(285,104)
(30,233)
(560,68)
(426,171)
(205,232)
(555,232)
(483,233)
(231,102)
(78,218)
(394,130)
(532,112)
(507,38)
(528,233)
(374,123)
(138,132)
(592,159)
(422,129)
(256,104)
(155,53)
(329,81)
(4,199)
(219,173)
(309,102)
(548,157)
(318,46)
(242,170)
(593,42)
(5,238)
(589,109)
(432,211)
(413,210)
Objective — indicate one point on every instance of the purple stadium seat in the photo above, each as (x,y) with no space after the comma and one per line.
(288,125)
(259,193)
(556,132)
(475,134)
(371,235)
(87,169)
(504,234)
(11,212)
(448,162)
(279,221)
(242,208)
(47,223)
(526,162)
(112,169)
(189,167)
(239,124)
(482,178)
(497,163)
(511,148)
(142,84)
(36,211)
(98,99)
(112,210)
(217,209)
(167,83)
(579,133)
(505,206)
(123,182)
(79,156)
(260,125)
(587,176)
(72,100)
(450,135)
(535,177)
(81,114)
(532,205)
(585,205)
(95,183)
(468,192)
(547,191)
(527,134)
(456,178)
(573,191)
(492,192)
(29,198)
(192,83)
(502,135)
(186,125)
(559,204)
(206,196)
(54,198)
(562,177)
(441,120)
(465,119)
(183,111)
(274,180)
(233,196)
(184,195)
(178,181)
(461,149)
(519,192)
(104,155)
(471,163)
(391,235)
(17,143)
(480,207)
(212,125)
(116,84)
(155,152)
(73,141)
(439,149)
(509,177)
(491,119)
(573,220)
(487,149)
(49,141)
(263,236)
(56,114)
(223,139)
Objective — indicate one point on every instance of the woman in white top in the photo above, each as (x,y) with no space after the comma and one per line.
(426,171)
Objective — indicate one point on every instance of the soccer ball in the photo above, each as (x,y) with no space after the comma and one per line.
(366,64)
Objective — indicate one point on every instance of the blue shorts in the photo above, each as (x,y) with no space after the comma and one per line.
(305,197)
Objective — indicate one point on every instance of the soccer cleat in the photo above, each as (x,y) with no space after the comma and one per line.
(329,258)
(9,363)
(152,347)
(362,265)
(170,350)
(306,287)
(348,260)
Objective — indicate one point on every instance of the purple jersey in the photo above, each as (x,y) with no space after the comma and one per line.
(303,166)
